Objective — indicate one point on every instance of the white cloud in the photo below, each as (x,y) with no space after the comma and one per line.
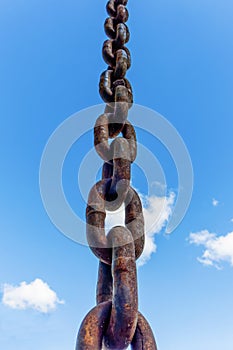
(162,187)
(157,211)
(232,220)
(215,202)
(217,248)
(36,295)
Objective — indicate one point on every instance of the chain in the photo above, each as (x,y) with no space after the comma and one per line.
(115,323)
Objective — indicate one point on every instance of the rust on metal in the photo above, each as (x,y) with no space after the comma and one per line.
(111,8)
(115,323)
(95,216)
(108,53)
(104,284)
(93,327)
(105,86)
(101,138)
(143,338)
(124,315)
(122,35)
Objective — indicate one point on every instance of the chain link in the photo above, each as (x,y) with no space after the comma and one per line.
(115,323)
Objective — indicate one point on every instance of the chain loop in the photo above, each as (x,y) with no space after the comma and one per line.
(93,327)
(123,319)
(119,155)
(99,243)
(143,338)
(101,137)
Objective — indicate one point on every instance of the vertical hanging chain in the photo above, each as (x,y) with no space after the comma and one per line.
(115,323)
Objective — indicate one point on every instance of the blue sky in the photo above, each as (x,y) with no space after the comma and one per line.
(182,68)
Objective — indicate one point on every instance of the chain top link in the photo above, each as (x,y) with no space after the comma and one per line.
(115,323)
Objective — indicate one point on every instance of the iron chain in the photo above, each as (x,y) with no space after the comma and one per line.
(115,323)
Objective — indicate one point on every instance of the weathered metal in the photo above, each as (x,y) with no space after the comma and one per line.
(99,242)
(101,138)
(115,322)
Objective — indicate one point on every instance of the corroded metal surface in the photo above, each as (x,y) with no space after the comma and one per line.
(93,327)
(115,323)
(99,242)
(123,320)
(143,338)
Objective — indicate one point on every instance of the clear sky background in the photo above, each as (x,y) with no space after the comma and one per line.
(50,62)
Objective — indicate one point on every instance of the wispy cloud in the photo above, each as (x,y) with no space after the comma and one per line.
(157,211)
(215,202)
(36,295)
(217,249)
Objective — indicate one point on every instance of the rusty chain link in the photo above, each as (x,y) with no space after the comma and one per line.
(115,323)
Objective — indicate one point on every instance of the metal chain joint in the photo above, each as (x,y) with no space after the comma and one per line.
(115,323)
